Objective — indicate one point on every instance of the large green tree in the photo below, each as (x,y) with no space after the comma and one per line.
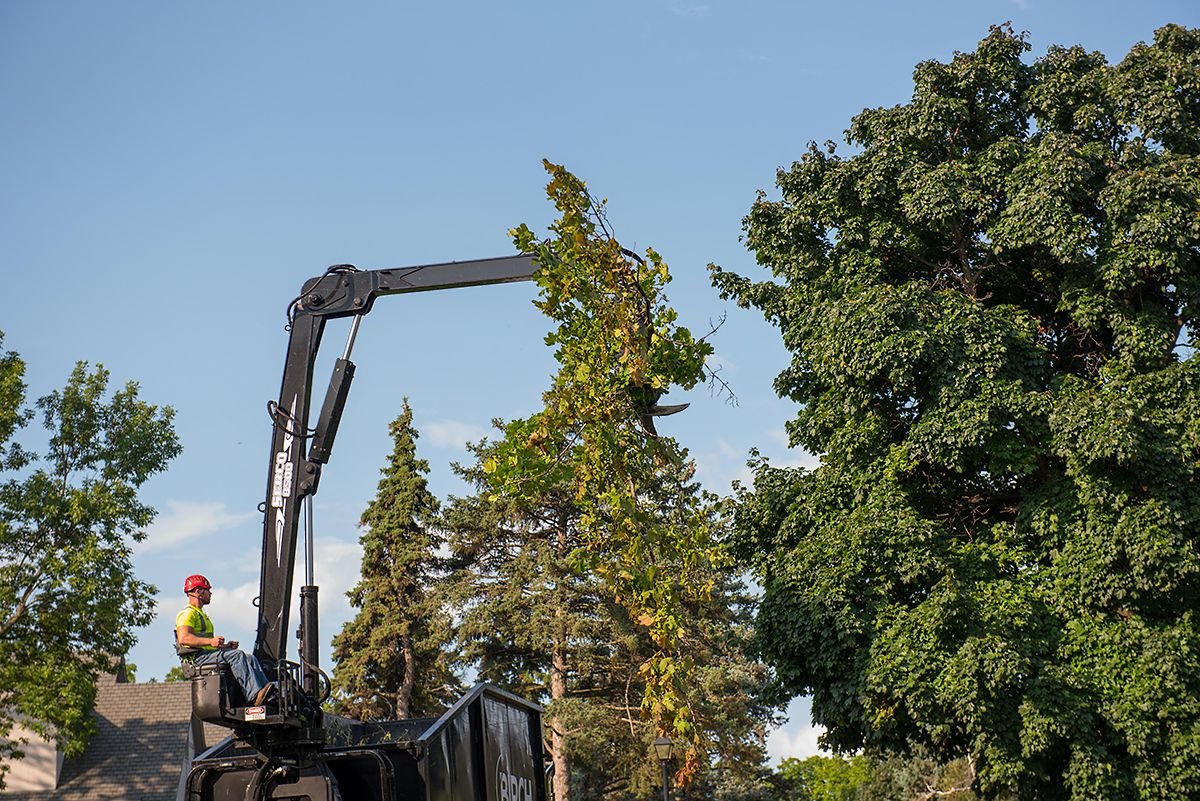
(69,599)
(991,304)
(536,620)
(619,349)
(390,658)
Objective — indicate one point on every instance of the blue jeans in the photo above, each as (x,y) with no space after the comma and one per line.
(245,668)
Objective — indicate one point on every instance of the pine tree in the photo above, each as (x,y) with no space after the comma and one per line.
(390,658)
(536,620)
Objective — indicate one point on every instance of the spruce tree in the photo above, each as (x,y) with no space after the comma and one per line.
(536,620)
(390,658)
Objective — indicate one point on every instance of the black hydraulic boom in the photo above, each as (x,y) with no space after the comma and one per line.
(488,746)
(294,473)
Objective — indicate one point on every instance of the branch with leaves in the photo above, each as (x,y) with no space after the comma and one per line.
(619,349)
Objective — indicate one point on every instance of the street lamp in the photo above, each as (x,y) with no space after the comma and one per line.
(662,748)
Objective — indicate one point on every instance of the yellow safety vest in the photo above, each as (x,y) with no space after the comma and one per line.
(201,625)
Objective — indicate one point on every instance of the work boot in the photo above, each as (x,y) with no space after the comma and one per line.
(264,694)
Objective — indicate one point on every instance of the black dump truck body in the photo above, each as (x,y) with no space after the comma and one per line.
(487,747)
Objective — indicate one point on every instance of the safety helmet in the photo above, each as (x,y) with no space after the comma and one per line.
(196,582)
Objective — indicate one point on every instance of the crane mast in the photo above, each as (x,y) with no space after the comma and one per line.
(294,471)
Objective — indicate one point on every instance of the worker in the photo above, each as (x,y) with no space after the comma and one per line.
(197,643)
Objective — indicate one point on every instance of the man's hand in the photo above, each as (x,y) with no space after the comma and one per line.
(218,642)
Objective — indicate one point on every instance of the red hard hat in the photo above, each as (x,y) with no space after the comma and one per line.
(195,582)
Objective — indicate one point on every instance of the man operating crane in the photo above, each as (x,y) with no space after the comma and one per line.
(196,642)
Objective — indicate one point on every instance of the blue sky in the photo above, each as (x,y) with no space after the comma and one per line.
(173,172)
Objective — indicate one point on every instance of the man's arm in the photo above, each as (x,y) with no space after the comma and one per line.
(187,637)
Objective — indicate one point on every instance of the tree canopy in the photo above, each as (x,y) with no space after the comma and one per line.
(69,599)
(991,305)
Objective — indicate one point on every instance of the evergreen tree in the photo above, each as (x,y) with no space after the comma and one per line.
(536,620)
(992,307)
(391,658)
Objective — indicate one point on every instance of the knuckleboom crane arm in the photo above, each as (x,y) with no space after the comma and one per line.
(294,473)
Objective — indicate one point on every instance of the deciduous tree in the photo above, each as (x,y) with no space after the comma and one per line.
(823,778)
(69,599)
(619,349)
(991,305)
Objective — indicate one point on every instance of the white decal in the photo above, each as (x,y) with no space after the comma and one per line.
(277,480)
(278,536)
(510,786)
(281,483)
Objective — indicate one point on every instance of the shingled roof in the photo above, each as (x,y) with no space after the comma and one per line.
(143,742)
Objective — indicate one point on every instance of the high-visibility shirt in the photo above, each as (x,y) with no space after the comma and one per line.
(201,625)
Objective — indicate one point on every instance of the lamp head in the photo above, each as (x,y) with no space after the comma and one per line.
(663,747)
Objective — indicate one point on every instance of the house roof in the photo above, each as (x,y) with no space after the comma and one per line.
(139,749)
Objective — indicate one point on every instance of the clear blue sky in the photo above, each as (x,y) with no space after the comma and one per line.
(171,173)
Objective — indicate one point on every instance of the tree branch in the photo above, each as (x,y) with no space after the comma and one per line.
(21,607)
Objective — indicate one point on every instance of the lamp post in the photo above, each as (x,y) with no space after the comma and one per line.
(662,748)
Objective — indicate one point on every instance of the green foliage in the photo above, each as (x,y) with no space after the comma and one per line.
(533,622)
(991,308)
(898,777)
(390,658)
(69,601)
(907,777)
(819,778)
(175,674)
(619,349)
